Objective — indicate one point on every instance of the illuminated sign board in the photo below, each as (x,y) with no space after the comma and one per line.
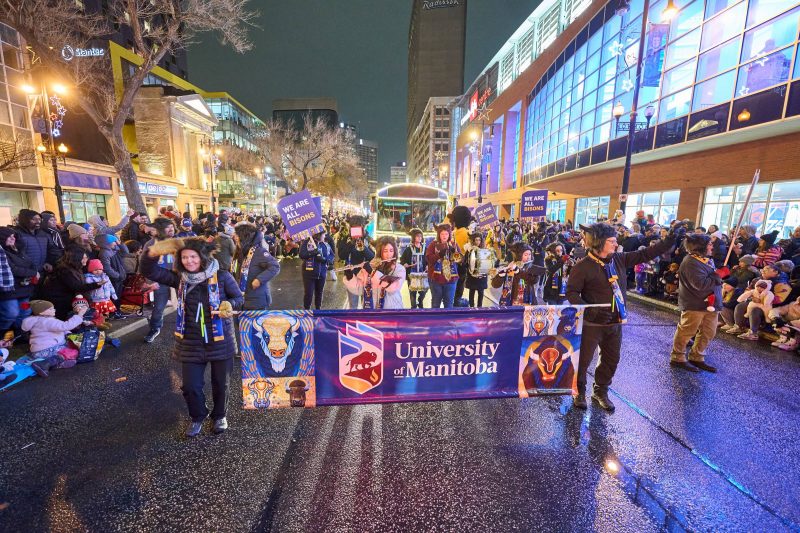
(438,4)
(68,53)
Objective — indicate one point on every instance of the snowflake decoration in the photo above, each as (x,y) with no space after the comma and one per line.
(216,161)
(744,91)
(627,85)
(57,116)
(616,49)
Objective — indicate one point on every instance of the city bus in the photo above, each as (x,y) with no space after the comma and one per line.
(398,208)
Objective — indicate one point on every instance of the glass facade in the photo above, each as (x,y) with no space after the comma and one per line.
(590,210)
(713,61)
(773,206)
(80,206)
(557,210)
(663,205)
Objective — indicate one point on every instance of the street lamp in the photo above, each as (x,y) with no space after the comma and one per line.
(54,152)
(669,12)
(215,162)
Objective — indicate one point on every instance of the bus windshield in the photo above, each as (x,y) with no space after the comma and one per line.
(403,215)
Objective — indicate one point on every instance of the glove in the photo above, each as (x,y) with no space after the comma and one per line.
(225,309)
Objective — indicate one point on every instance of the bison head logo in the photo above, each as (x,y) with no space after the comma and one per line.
(261,389)
(276,335)
(297,389)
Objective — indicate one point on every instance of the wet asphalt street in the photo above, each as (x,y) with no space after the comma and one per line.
(83,452)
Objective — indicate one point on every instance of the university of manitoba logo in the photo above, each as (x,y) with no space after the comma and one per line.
(360,357)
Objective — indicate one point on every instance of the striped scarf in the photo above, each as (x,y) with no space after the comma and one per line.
(618,302)
(245,269)
(190,280)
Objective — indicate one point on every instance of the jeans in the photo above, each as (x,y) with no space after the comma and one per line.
(12,314)
(442,293)
(609,339)
(753,322)
(313,287)
(160,299)
(192,387)
(417,298)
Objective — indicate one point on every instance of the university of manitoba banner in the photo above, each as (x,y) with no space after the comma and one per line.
(304,358)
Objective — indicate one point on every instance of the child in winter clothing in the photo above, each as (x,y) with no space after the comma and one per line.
(759,303)
(730,294)
(670,280)
(781,317)
(101,298)
(641,274)
(48,336)
(130,260)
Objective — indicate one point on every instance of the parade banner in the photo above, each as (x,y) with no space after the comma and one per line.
(534,204)
(485,215)
(300,214)
(305,358)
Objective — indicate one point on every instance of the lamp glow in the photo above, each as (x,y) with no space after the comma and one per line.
(669,12)
(619,110)
(744,116)
(62,148)
(59,88)
(41,148)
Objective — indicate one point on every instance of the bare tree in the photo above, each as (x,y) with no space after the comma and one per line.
(315,157)
(159,27)
(16,152)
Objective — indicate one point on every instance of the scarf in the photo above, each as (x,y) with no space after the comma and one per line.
(705,260)
(368,303)
(505,294)
(245,269)
(415,259)
(188,281)
(618,303)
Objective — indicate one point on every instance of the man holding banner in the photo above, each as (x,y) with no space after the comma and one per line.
(599,278)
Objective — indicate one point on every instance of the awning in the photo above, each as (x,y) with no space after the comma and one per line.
(79,179)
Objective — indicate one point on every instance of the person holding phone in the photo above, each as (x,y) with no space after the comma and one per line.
(355,251)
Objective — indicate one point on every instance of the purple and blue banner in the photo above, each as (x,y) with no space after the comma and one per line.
(485,215)
(300,214)
(534,204)
(305,358)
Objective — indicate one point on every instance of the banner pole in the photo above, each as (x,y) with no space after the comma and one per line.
(753,184)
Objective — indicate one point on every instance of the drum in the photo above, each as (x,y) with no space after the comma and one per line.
(418,281)
(480,261)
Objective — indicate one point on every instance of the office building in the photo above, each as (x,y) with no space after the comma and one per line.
(295,110)
(429,154)
(398,173)
(436,37)
(720,98)
(367,152)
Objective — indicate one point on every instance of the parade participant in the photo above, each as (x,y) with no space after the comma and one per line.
(388,278)
(442,268)
(557,265)
(165,229)
(479,261)
(204,332)
(355,251)
(413,259)
(599,278)
(317,257)
(700,301)
(518,278)
(513,236)
(461,217)
(254,267)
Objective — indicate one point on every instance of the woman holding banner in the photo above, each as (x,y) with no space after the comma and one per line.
(317,257)
(442,256)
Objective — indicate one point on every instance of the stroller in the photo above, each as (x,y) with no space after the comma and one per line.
(136,292)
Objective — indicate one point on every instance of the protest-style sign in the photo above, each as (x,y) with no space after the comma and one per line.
(485,215)
(300,215)
(534,204)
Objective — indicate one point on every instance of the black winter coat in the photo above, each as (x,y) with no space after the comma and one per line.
(38,247)
(62,285)
(23,269)
(315,262)
(112,262)
(192,348)
(263,267)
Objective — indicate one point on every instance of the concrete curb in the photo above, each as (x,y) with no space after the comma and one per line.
(646,300)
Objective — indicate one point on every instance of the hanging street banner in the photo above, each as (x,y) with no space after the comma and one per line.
(300,214)
(310,358)
(485,215)
(534,204)
(654,54)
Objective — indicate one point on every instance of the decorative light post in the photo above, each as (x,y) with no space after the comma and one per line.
(669,12)
(215,162)
(54,152)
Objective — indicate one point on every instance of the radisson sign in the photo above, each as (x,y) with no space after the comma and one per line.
(438,4)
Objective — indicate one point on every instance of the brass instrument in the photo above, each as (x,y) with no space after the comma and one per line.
(446,272)
(457,257)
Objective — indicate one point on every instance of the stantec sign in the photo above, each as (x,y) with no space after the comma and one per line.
(68,53)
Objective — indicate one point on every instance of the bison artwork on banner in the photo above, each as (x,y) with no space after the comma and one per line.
(277,359)
(550,350)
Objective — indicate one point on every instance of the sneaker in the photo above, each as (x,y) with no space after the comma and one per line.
(781,340)
(735,330)
(601,398)
(194,429)
(151,336)
(789,345)
(220,426)
(40,370)
(748,336)
(119,316)
(579,401)
(727,328)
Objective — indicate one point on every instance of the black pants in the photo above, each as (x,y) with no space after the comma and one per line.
(609,339)
(118,286)
(313,287)
(472,297)
(462,277)
(193,382)
(416,298)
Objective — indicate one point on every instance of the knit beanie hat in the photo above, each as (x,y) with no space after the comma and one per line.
(748,259)
(75,230)
(94,264)
(769,238)
(40,306)
(79,301)
(732,281)
(784,266)
(106,238)
(5,233)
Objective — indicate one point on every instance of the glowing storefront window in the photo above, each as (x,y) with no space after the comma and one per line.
(773,206)
(663,205)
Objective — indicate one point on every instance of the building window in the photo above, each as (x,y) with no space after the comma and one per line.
(590,210)
(663,205)
(80,206)
(773,206)
(557,210)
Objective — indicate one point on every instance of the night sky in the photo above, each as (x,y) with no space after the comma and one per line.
(352,50)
